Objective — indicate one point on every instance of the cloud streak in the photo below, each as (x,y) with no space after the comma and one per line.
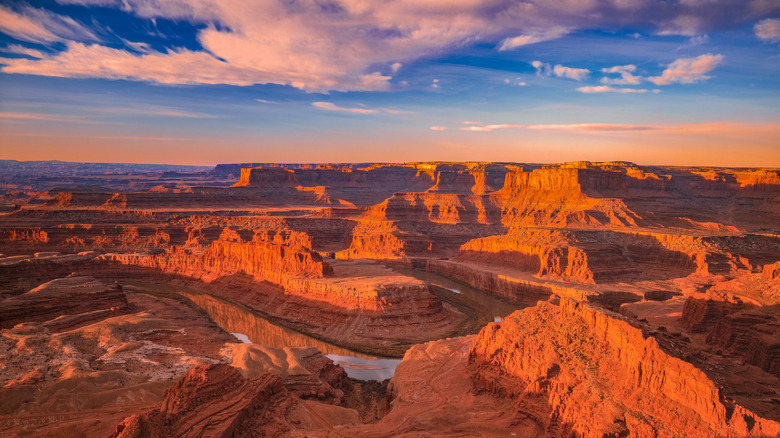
(608,89)
(331,107)
(561,127)
(533,38)
(44,117)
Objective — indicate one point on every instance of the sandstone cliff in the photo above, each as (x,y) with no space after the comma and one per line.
(579,256)
(576,370)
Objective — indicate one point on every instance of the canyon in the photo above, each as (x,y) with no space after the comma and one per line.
(504,299)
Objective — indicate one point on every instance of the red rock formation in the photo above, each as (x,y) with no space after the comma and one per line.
(738,329)
(360,303)
(214,401)
(579,256)
(274,257)
(565,197)
(576,370)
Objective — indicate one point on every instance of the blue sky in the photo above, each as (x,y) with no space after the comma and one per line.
(690,82)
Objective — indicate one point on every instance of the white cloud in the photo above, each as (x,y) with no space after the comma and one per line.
(532,38)
(626,75)
(545,69)
(331,107)
(438,128)
(768,30)
(688,70)
(577,74)
(608,89)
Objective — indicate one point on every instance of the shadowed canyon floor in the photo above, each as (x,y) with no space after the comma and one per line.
(504,299)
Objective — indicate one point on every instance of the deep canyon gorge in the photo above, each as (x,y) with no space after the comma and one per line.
(374,300)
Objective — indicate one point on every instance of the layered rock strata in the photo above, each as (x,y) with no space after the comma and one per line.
(576,370)
(63,297)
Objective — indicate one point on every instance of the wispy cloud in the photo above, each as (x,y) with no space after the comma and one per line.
(688,70)
(22,50)
(489,128)
(396,111)
(331,107)
(562,127)
(92,60)
(532,38)
(41,26)
(46,117)
(694,41)
(591,127)
(608,89)
(438,128)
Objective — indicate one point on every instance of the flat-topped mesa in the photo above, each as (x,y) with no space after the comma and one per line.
(437,208)
(267,178)
(579,255)
(380,178)
(78,199)
(468,178)
(565,196)
(726,183)
(573,182)
(580,371)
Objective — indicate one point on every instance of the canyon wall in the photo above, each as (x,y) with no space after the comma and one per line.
(576,370)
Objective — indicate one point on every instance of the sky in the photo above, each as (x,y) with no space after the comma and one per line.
(656,82)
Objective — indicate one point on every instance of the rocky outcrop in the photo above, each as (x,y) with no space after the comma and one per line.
(579,256)
(273,257)
(576,370)
(562,196)
(738,329)
(214,401)
(422,224)
(63,296)
(343,184)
